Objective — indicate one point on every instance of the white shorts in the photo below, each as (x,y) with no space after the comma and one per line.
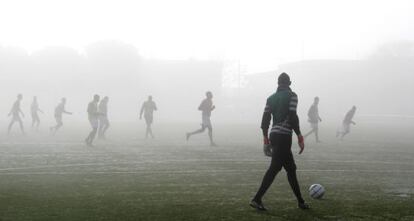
(94,122)
(314,126)
(206,122)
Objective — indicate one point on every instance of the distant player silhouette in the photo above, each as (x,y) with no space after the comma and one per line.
(148,108)
(103,117)
(15,113)
(93,117)
(346,123)
(59,111)
(314,119)
(206,107)
(34,109)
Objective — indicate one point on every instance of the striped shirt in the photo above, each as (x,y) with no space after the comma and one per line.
(281,106)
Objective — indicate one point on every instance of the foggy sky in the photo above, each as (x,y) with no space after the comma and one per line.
(262,34)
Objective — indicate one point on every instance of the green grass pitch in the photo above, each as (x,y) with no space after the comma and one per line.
(367,177)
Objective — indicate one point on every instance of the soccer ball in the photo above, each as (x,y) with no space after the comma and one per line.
(316,191)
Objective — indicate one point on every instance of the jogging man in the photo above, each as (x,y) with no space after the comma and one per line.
(206,107)
(314,119)
(93,117)
(15,113)
(59,111)
(148,108)
(103,117)
(282,107)
(34,109)
(346,123)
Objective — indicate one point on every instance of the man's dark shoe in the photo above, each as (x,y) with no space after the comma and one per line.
(257,205)
(303,206)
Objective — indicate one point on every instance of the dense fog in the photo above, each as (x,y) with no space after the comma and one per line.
(377,85)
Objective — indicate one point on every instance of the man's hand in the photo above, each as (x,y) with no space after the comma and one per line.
(301,143)
(266,141)
(320,119)
(213,107)
(267,148)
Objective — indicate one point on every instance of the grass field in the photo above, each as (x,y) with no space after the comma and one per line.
(369,176)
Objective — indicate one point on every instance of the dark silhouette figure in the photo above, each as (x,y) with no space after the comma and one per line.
(148,108)
(34,110)
(206,107)
(15,113)
(93,117)
(281,106)
(314,119)
(346,123)
(59,111)
(103,117)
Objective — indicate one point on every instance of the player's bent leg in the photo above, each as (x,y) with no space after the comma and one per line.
(150,131)
(317,136)
(21,125)
(91,136)
(268,179)
(294,184)
(210,135)
(147,131)
(10,126)
(272,171)
(107,125)
(58,126)
(290,168)
(201,130)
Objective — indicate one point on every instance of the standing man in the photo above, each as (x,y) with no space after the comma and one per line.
(282,107)
(148,108)
(206,107)
(93,117)
(103,118)
(314,119)
(59,111)
(15,113)
(34,109)
(346,123)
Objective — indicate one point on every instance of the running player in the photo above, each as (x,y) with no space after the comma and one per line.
(59,111)
(148,108)
(314,119)
(282,107)
(103,117)
(206,107)
(34,109)
(346,123)
(93,117)
(15,113)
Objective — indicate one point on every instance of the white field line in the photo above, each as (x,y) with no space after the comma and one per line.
(194,172)
(189,161)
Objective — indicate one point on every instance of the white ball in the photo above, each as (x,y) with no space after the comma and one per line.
(316,191)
